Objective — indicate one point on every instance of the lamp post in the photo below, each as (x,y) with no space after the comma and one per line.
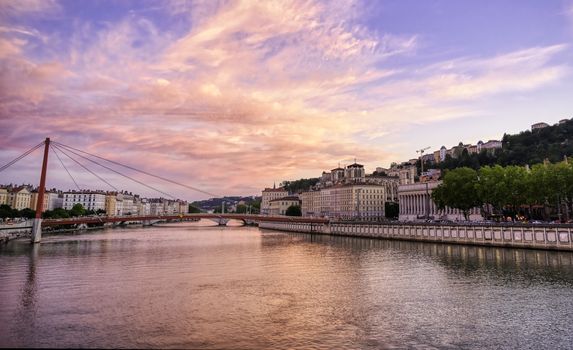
(427,211)
(358,202)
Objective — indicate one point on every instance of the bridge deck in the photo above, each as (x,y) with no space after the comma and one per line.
(243,217)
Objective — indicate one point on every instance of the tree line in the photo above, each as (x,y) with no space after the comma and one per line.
(7,211)
(542,192)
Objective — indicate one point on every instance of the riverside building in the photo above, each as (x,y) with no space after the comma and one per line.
(279,206)
(416,203)
(89,200)
(19,198)
(270,194)
(349,194)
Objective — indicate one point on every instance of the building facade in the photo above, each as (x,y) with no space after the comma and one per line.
(416,203)
(110,204)
(3,196)
(279,206)
(268,195)
(19,198)
(89,200)
(34,200)
(310,203)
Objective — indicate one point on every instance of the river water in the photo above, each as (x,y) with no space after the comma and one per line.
(181,286)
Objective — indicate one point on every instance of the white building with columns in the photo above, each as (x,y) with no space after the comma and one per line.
(416,202)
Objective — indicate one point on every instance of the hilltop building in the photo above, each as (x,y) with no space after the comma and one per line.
(538,126)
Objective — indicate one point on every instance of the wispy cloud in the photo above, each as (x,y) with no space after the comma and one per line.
(248,93)
(12,8)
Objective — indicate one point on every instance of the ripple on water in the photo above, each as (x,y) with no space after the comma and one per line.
(211,287)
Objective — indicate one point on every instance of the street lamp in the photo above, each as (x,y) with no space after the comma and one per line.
(427,202)
(358,202)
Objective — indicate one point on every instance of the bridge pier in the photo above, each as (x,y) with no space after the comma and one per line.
(37,230)
(37,227)
(220,221)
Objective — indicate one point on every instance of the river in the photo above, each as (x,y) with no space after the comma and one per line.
(186,286)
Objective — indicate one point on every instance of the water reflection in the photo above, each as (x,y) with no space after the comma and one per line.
(244,288)
(451,255)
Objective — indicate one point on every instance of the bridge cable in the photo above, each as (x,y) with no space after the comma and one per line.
(141,171)
(117,172)
(67,171)
(23,155)
(87,169)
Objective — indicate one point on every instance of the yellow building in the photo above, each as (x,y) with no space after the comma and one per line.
(3,196)
(279,206)
(110,204)
(270,194)
(19,198)
(34,201)
(359,201)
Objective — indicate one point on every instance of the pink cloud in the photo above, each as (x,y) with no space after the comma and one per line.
(253,92)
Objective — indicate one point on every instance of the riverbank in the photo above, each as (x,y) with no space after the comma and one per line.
(24,232)
(550,237)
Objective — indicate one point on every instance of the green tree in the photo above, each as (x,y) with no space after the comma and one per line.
(458,191)
(77,210)
(491,188)
(515,184)
(391,210)
(256,207)
(293,210)
(193,209)
(241,209)
(27,213)
(300,185)
(6,211)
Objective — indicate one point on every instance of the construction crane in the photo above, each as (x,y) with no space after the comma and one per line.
(427,196)
(421,151)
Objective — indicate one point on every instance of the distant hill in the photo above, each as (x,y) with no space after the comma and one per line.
(528,147)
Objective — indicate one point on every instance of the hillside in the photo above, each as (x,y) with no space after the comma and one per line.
(528,147)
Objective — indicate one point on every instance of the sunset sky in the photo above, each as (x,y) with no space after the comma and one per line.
(231,96)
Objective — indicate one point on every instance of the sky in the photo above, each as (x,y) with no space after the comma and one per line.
(233,96)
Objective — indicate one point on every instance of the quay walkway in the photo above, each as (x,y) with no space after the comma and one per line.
(534,236)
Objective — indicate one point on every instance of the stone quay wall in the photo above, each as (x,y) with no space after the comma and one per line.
(552,237)
(12,231)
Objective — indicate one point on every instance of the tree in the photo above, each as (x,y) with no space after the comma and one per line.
(300,185)
(293,210)
(391,210)
(515,186)
(458,191)
(27,213)
(491,188)
(6,211)
(241,209)
(77,210)
(193,209)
